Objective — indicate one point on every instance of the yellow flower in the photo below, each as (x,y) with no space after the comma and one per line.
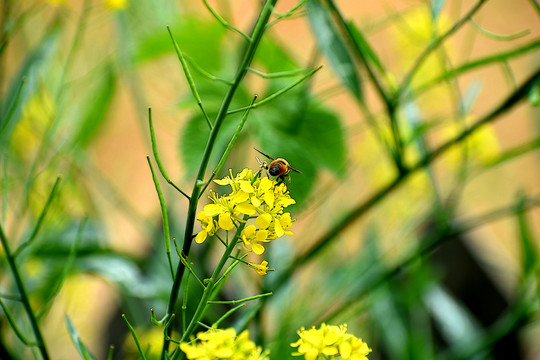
(252,239)
(261,269)
(116,4)
(331,341)
(249,195)
(223,344)
(208,227)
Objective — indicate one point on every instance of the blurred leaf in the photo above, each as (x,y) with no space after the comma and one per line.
(332,45)
(363,46)
(273,57)
(195,133)
(278,143)
(322,136)
(471,94)
(79,345)
(454,320)
(208,32)
(23,83)
(193,142)
(308,135)
(529,253)
(126,274)
(96,105)
(534,96)
(436,8)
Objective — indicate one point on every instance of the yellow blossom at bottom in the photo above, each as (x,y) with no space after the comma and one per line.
(223,344)
(331,341)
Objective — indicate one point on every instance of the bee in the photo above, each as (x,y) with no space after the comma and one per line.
(279,167)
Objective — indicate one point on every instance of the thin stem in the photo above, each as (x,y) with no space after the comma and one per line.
(189,78)
(135,338)
(13,325)
(256,37)
(234,302)
(40,343)
(280,74)
(156,155)
(209,290)
(229,146)
(277,93)
(225,22)
(227,314)
(164,217)
(205,73)
(41,217)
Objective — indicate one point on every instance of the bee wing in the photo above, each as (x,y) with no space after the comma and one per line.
(295,170)
(271,158)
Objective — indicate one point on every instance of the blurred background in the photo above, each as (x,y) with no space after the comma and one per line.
(442,265)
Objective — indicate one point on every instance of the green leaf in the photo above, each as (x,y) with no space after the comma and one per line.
(95,108)
(332,45)
(79,345)
(436,8)
(24,82)
(534,96)
(363,46)
(273,57)
(321,134)
(210,33)
(195,133)
(194,138)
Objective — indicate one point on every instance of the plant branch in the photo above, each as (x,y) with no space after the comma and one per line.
(249,53)
(40,343)
(358,211)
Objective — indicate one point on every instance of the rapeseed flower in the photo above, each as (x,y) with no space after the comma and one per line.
(223,344)
(261,268)
(257,197)
(330,341)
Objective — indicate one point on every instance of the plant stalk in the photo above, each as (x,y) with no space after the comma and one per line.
(249,53)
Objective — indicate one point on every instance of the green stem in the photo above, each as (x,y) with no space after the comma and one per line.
(164,217)
(208,291)
(256,37)
(40,343)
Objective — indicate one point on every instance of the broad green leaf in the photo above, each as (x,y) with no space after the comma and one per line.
(322,136)
(309,136)
(95,107)
(278,143)
(333,47)
(273,57)
(210,33)
(75,338)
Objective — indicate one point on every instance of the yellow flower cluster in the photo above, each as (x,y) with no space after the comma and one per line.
(260,198)
(331,341)
(223,344)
